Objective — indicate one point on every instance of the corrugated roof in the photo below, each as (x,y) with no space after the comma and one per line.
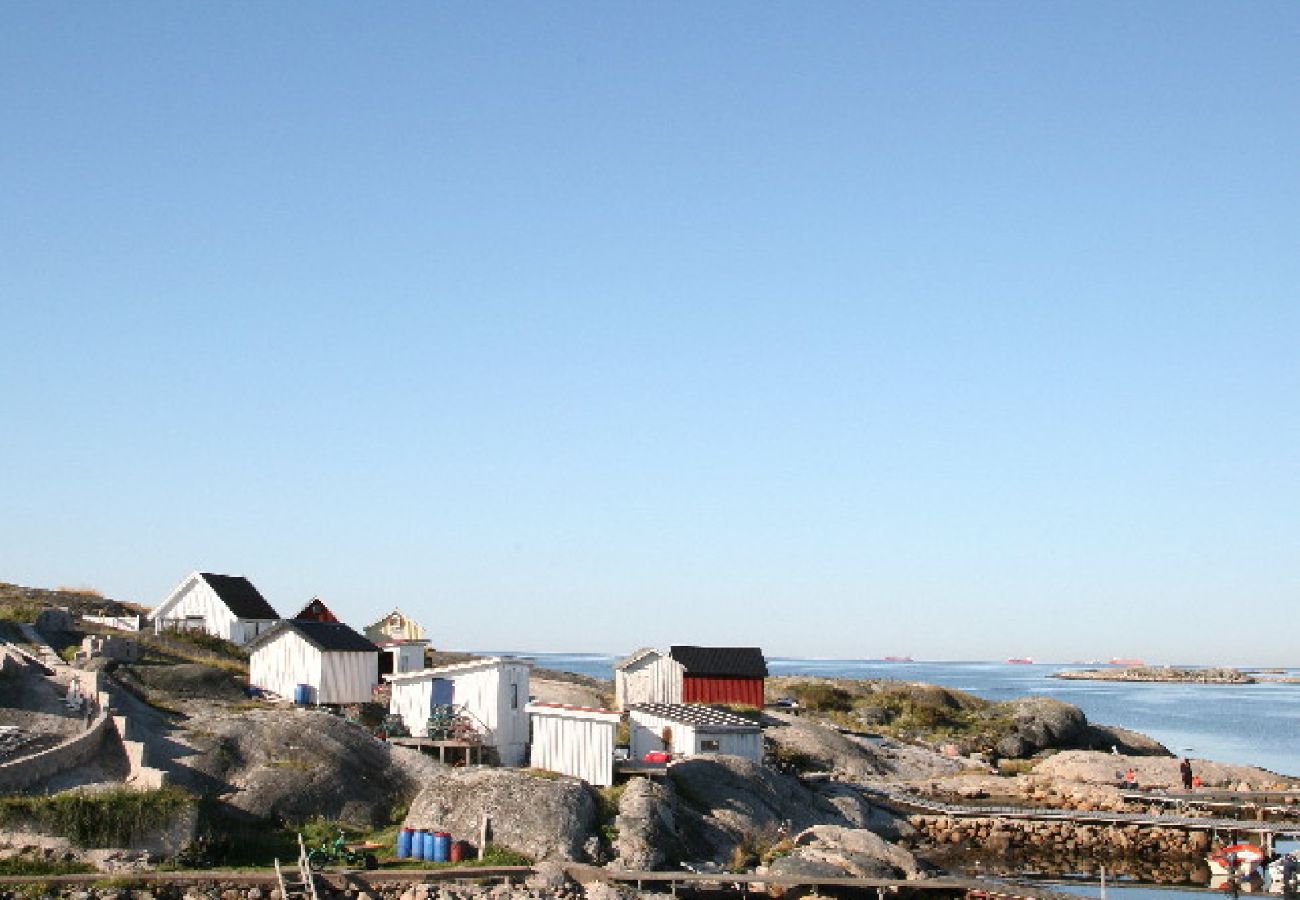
(695,714)
(239,595)
(721,662)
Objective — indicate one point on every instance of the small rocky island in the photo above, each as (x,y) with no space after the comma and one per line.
(1175,674)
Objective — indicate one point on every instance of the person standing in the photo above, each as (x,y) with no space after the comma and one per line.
(1186,769)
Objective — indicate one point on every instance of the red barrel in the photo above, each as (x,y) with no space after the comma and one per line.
(459,851)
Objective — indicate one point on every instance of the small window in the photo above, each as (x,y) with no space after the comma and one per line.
(514,696)
(707,746)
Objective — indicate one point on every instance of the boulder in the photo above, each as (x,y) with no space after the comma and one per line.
(861,852)
(649,834)
(545,818)
(294,764)
(1041,723)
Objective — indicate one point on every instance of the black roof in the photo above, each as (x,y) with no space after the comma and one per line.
(697,714)
(326,636)
(238,593)
(721,662)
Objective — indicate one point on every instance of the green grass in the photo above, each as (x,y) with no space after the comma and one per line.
(110,819)
(22,865)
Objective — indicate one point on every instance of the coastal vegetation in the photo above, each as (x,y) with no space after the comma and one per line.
(106,819)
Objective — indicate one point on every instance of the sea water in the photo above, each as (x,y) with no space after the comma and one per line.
(1250,724)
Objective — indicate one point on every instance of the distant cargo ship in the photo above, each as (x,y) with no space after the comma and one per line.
(1121,661)
(898,659)
(1021,661)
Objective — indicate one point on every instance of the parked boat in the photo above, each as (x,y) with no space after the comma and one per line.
(1241,860)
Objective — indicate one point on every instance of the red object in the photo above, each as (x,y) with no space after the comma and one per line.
(656,756)
(458,850)
(743,691)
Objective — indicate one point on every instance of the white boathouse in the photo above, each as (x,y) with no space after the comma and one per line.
(336,664)
(574,740)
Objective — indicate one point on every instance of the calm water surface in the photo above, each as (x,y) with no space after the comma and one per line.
(1255,724)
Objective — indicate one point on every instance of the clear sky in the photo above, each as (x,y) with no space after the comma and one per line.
(958,330)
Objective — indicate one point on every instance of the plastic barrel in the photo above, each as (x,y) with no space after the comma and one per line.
(302,694)
(458,851)
(404,843)
(441,846)
(426,845)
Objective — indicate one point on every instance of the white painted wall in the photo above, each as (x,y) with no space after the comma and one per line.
(287,660)
(691,740)
(574,742)
(654,678)
(197,599)
(493,692)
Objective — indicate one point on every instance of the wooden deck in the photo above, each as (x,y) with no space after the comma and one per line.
(469,753)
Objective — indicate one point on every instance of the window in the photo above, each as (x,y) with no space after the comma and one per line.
(707,746)
(514,696)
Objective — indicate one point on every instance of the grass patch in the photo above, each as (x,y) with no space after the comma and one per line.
(23,865)
(19,612)
(110,819)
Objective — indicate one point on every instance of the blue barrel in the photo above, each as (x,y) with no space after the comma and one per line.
(302,694)
(404,843)
(441,846)
(426,845)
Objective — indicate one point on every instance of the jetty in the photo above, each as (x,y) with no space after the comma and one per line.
(1230,827)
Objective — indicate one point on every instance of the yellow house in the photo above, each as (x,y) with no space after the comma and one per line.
(396,626)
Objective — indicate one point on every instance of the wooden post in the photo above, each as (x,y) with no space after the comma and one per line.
(483,833)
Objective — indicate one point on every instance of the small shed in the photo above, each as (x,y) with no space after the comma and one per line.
(693,730)
(574,740)
(337,664)
(487,696)
(227,606)
(690,674)
(399,657)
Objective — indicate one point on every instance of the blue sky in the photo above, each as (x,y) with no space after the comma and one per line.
(845,329)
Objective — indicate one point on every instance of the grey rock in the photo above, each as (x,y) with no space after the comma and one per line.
(649,836)
(544,818)
(1041,723)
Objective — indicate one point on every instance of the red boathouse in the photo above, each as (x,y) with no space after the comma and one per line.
(721,674)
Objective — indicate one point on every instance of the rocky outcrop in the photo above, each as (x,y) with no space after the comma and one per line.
(854,852)
(544,818)
(293,764)
(809,744)
(649,825)
(1176,674)
(1095,768)
(1040,723)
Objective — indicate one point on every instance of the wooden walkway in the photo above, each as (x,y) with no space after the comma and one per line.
(907,802)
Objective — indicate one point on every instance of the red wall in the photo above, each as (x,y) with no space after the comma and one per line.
(748,691)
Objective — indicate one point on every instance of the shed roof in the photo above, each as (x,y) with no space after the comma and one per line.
(565,711)
(634,656)
(720,662)
(239,595)
(695,714)
(328,637)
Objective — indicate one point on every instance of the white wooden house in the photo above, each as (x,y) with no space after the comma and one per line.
(692,730)
(227,606)
(335,663)
(491,693)
(574,740)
